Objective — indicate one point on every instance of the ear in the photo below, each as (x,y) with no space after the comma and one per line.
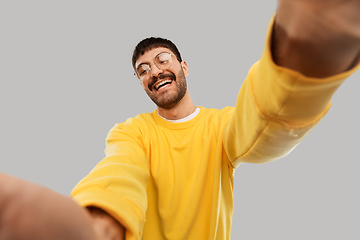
(185,68)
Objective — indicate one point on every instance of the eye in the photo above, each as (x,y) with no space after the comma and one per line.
(163,59)
(142,70)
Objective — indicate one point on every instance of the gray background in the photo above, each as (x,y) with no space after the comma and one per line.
(66,79)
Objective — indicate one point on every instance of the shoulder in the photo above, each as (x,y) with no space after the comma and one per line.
(217,117)
(140,120)
(135,126)
(225,112)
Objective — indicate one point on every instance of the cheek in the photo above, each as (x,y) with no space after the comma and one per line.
(144,85)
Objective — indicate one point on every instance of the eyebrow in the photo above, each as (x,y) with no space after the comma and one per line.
(147,62)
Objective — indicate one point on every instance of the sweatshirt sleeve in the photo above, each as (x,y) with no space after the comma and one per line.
(118,183)
(276,108)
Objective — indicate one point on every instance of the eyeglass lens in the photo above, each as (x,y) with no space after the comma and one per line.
(161,61)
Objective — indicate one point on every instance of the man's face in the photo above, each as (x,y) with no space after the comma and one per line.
(164,87)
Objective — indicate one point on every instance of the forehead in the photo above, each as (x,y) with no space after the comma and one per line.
(150,55)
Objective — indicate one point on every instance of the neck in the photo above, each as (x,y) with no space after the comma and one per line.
(183,109)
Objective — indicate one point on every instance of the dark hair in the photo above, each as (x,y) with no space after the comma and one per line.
(154,42)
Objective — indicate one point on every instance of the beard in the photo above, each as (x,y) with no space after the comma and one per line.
(164,99)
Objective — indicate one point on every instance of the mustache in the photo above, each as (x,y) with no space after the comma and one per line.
(162,76)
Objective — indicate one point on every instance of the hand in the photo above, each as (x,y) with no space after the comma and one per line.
(105,226)
(340,16)
(318,38)
(31,211)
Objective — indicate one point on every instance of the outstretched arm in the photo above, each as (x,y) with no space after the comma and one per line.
(310,49)
(30,211)
(318,38)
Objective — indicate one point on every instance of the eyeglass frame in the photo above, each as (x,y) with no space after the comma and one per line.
(148,63)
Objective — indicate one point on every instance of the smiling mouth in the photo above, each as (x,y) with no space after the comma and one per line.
(162,84)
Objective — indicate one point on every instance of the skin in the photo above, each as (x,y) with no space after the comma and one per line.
(28,212)
(317,38)
(165,97)
(105,226)
(31,211)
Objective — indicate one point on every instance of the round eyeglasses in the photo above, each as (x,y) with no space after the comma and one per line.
(162,61)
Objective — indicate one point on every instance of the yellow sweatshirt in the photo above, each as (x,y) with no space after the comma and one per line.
(165,180)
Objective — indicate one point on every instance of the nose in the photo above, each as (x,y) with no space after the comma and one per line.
(155,71)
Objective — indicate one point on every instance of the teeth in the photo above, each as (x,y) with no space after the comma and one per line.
(157,86)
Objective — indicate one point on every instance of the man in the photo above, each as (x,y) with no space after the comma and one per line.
(173,180)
